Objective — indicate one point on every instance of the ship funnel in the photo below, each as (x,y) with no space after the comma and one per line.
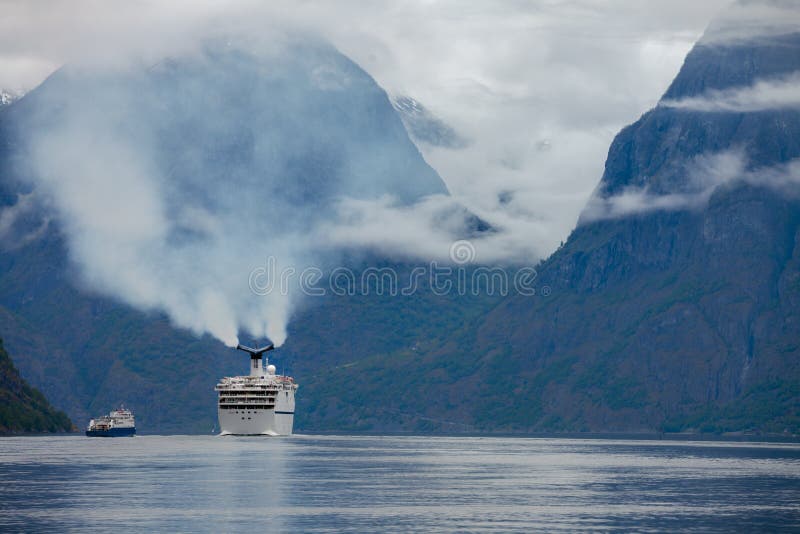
(255,357)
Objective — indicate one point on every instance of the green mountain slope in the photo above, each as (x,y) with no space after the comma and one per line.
(23,408)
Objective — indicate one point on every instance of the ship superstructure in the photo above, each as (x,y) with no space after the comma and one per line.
(118,423)
(261,403)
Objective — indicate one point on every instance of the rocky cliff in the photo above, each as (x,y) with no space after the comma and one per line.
(673,304)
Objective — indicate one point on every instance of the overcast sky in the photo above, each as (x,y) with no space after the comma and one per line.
(539,88)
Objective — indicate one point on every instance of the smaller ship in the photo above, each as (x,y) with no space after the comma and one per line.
(116,424)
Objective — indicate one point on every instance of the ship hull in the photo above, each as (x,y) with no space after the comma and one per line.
(255,422)
(250,421)
(112,433)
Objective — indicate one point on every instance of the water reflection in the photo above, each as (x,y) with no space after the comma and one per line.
(356,484)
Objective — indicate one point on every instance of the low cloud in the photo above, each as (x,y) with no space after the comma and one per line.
(748,20)
(422,230)
(780,93)
(427,229)
(637,201)
(705,174)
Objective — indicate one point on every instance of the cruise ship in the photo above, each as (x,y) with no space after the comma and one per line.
(259,404)
(118,423)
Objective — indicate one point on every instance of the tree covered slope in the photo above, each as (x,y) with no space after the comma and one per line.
(23,408)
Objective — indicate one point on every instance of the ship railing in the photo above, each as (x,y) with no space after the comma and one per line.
(263,401)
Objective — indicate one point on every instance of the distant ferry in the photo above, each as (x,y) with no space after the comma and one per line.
(261,403)
(116,424)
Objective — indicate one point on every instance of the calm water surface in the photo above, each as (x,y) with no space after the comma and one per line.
(368,484)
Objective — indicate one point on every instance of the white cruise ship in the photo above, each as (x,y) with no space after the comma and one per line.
(259,404)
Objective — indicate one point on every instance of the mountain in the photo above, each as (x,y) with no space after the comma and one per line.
(271,135)
(673,306)
(23,408)
(425,127)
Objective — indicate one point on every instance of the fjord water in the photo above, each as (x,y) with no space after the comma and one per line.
(370,484)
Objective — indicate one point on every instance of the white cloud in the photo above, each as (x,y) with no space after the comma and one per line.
(746,20)
(426,230)
(706,173)
(780,93)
